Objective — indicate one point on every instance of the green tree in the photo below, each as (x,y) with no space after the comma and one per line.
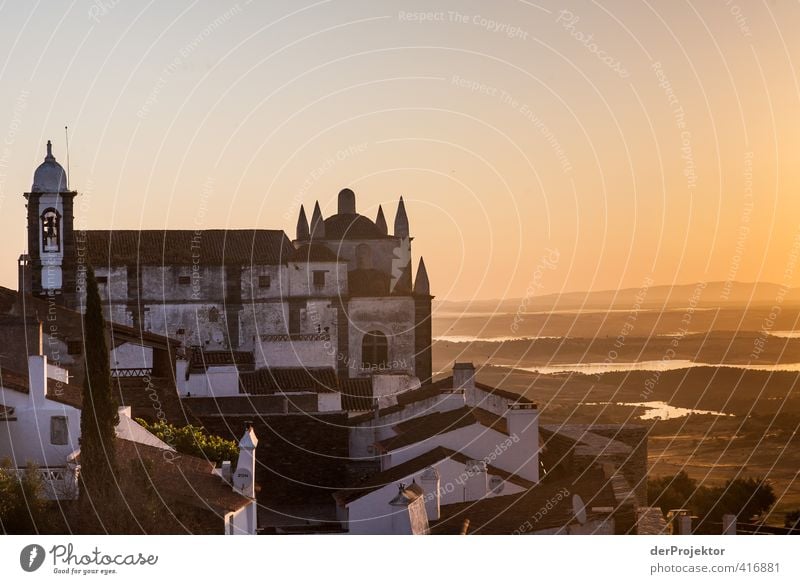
(672,492)
(99,414)
(747,498)
(194,441)
(22,504)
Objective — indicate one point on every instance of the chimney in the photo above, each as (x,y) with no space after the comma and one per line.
(464,376)
(407,508)
(522,420)
(476,484)
(182,376)
(685,525)
(37,378)
(226,471)
(244,479)
(429,481)
(729,524)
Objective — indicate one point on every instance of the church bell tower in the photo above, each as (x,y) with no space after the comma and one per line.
(50,268)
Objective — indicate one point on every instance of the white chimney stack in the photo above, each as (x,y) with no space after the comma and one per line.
(729,524)
(685,525)
(37,378)
(464,376)
(244,479)
(407,508)
(430,482)
(181,381)
(477,480)
(225,471)
(523,429)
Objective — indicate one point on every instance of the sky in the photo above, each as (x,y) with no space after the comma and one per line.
(540,147)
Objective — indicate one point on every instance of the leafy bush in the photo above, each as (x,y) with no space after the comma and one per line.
(194,441)
(22,504)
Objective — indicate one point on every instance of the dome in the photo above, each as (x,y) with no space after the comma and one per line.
(351,226)
(50,176)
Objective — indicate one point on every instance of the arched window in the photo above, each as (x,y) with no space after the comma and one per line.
(374,350)
(51,227)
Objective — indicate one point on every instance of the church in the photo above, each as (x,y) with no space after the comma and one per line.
(321,346)
(339,295)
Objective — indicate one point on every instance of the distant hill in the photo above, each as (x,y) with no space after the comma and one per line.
(715,294)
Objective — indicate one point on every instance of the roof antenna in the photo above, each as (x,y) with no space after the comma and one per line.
(66,133)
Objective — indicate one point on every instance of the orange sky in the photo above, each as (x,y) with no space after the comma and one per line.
(635,139)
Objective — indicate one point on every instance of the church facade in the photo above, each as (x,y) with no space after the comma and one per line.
(340,294)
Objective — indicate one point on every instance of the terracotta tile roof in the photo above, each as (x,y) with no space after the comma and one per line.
(427,391)
(152,398)
(286,379)
(65,393)
(201,359)
(184,246)
(357,394)
(13,380)
(184,480)
(528,512)
(586,442)
(413,466)
(510,395)
(425,427)
(313,252)
(254,406)
(57,391)
(431,390)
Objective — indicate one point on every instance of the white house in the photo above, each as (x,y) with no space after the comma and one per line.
(444,477)
(41,425)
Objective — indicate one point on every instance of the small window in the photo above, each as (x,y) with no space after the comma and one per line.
(264,281)
(374,350)
(102,280)
(180,331)
(74,347)
(319,278)
(213,315)
(184,280)
(58,430)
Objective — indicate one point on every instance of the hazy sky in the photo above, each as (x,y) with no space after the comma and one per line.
(623,140)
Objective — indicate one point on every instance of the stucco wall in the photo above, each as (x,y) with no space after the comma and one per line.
(371,514)
(28,438)
(131,356)
(394,317)
(301,279)
(364,434)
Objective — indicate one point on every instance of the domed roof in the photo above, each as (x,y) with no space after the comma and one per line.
(50,176)
(351,226)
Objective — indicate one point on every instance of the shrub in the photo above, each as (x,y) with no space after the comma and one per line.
(194,441)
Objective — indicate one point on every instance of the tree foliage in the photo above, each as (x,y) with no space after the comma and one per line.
(194,441)
(22,503)
(747,498)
